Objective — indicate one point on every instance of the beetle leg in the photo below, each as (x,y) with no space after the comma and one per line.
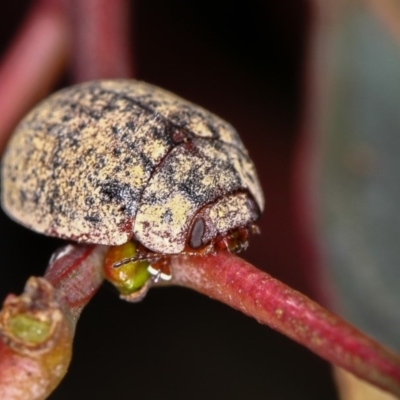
(160,270)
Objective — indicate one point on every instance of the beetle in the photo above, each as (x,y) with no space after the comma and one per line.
(110,161)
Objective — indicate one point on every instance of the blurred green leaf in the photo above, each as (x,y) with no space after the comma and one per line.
(360,174)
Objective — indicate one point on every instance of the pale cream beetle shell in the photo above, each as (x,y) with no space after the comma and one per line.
(105,161)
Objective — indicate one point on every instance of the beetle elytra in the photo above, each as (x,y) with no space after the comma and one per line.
(109,161)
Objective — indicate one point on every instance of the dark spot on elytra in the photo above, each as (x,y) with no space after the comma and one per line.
(56,163)
(114,191)
(52,128)
(66,118)
(146,225)
(93,218)
(214,131)
(132,146)
(147,162)
(250,177)
(96,115)
(22,196)
(152,103)
(89,200)
(74,143)
(36,197)
(116,152)
(167,216)
(111,106)
(50,203)
(101,162)
(130,125)
(151,198)
(176,118)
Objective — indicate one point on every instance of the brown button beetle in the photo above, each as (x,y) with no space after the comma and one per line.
(109,161)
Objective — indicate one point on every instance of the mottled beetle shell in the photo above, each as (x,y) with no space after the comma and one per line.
(106,161)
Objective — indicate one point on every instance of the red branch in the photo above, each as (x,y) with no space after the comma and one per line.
(33,63)
(77,273)
(101,47)
(231,280)
(30,366)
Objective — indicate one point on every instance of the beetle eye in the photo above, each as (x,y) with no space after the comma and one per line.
(196,236)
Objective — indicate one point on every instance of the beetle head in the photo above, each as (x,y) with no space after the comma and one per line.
(216,221)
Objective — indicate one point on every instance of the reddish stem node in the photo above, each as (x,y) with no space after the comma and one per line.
(37,328)
(35,343)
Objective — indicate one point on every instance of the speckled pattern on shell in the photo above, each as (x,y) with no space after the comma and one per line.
(105,160)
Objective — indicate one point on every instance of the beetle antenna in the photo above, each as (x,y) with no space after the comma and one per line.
(137,257)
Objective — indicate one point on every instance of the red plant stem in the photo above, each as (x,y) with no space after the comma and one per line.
(33,63)
(101,47)
(77,275)
(30,370)
(231,280)
(31,366)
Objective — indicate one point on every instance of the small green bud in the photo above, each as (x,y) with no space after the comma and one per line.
(29,329)
(130,276)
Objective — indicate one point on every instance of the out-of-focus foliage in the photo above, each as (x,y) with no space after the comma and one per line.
(361,172)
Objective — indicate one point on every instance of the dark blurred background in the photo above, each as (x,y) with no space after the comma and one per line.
(244,61)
